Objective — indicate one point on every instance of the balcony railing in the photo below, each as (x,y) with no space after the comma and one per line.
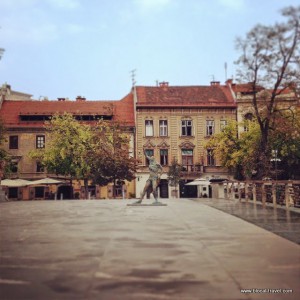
(192,169)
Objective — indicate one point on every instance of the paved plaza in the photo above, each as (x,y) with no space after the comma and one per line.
(104,249)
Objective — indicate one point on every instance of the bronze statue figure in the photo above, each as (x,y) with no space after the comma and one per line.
(153,181)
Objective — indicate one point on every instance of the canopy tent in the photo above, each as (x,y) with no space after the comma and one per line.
(15,182)
(199,181)
(45,181)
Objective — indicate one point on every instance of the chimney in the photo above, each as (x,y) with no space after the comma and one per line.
(164,84)
(212,83)
(79,98)
(61,99)
(229,82)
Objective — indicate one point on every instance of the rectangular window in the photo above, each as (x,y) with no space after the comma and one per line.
(210,124)
(39,167)
(149,152)
(14,167)
(187,157)
(149,127)
(163,127)
(13,142)
(40,141)
(164,157)
(223,124)
(186,128)
(210,158)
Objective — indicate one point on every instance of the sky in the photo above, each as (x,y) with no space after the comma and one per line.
(67,48)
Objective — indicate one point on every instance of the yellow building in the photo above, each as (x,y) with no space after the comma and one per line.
(243,93)
(175,122)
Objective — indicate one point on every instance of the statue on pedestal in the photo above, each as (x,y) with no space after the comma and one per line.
(153,181)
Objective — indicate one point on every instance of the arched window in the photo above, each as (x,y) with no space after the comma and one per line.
(247,117)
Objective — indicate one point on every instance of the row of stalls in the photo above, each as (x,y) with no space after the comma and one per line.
(42,189)
(205,188)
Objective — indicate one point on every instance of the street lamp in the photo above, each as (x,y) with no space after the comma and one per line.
(276,159)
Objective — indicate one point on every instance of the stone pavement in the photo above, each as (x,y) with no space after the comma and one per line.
(104,249)
(282,221)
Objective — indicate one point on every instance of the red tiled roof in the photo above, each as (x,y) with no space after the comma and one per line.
(185,96)
(11,110)
(73,107)
(245,87)
(124,110)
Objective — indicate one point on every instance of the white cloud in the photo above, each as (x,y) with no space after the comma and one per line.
(64,4)
(233,4)
(74,28)
(146,5)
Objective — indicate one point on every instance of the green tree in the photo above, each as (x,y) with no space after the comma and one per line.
(238,154)
(68,145)
(270,57)
(110,160)
(285,140)
(174,174)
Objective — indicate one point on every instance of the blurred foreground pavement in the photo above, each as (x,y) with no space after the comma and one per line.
(104,249)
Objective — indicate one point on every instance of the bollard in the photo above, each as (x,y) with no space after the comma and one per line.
(263,195)
(254,192)
(61,196)
(274,190)
(246,191)
(286,195)
(232,192)
(89,195)
(239,191)
(55,196)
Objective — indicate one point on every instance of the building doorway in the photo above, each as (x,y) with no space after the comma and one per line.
(39,192)
(13,193)
(66,191)
(187,191)
(164,188)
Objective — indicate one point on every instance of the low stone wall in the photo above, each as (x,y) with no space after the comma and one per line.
(283,192)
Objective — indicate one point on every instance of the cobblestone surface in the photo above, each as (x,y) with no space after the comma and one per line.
(53,250)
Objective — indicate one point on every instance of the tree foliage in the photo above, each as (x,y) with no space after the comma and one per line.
(236,153)
(174,173)
(239,154)
(285,139)
(270,57)
(110,160)
(82,152)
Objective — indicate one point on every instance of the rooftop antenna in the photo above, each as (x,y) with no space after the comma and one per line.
(133,77)
(225,67)
(1,50)
(213,77)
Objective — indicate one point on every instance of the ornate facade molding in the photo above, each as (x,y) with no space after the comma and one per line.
(149,144)
(187,145)
(163,145)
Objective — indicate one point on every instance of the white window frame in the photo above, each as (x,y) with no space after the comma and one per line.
(210,127)
(40,141)
(164,157)
(149,129)
(163,127)
(223,124)
(211,161)
(185,124)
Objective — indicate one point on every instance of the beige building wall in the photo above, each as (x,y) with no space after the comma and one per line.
(174,142)
(245,105)
(27,165)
